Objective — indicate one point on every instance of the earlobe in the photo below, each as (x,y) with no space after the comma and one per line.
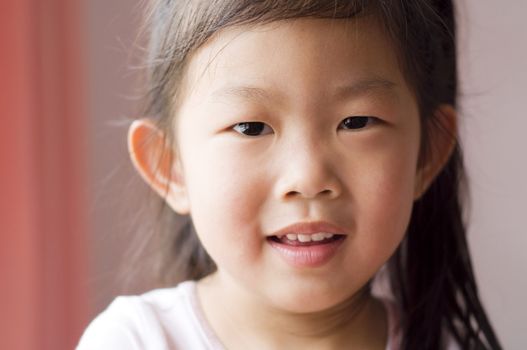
(442,139)
(155,161)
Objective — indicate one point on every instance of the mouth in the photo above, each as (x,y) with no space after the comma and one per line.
(306,251)
(306,240)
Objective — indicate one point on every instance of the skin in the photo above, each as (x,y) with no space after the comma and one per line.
(304,167)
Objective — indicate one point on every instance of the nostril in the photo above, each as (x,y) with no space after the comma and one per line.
(292,194)
(309,195)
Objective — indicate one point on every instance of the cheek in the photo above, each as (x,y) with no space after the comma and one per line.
(225,197)
(384,200)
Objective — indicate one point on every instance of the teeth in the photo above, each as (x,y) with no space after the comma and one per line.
(318,237)
(304,238)
(308,238)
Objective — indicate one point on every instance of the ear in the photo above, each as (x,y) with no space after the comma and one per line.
(158,164)
(442,139)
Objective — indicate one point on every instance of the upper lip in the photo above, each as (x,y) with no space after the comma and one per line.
(311,227)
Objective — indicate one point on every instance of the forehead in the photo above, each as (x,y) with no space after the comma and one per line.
(324,56)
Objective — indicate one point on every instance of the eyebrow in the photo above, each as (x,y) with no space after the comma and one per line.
(366,86)
(341,92)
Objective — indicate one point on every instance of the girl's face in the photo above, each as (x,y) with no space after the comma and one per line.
(270,134)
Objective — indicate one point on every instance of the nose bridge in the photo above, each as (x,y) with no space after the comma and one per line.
(308,168)
(309,147)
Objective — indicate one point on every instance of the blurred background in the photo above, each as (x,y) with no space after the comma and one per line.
(68,86)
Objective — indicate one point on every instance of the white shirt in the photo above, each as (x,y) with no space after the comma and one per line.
(171,318)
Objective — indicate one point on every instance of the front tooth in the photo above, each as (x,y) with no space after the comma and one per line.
(318,237)
(291,236)
(304,238)
(328,235)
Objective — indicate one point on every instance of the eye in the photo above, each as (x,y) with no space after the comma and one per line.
(357,122)
(252,128)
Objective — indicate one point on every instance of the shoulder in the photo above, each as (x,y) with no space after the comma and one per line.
(138,322)
(115,327)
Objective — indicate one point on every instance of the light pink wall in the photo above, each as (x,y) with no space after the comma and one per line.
(112,27)
(493,56)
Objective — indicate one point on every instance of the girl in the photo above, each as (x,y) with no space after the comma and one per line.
(310,143)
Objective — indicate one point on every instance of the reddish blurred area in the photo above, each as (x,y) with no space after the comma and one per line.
(43,226)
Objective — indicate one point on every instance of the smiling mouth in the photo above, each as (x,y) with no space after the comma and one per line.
(300,240)
(306,250)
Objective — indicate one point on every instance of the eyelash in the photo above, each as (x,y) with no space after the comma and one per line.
(245,126)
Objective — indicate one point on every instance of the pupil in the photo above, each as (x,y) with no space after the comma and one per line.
(251,128)
(355,122)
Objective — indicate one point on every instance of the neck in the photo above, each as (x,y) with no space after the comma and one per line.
(354,323)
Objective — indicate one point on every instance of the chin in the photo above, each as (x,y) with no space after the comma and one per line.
(308,300)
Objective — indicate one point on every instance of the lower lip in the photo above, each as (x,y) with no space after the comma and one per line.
(307,256)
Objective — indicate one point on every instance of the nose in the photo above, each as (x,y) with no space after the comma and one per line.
(308,171)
